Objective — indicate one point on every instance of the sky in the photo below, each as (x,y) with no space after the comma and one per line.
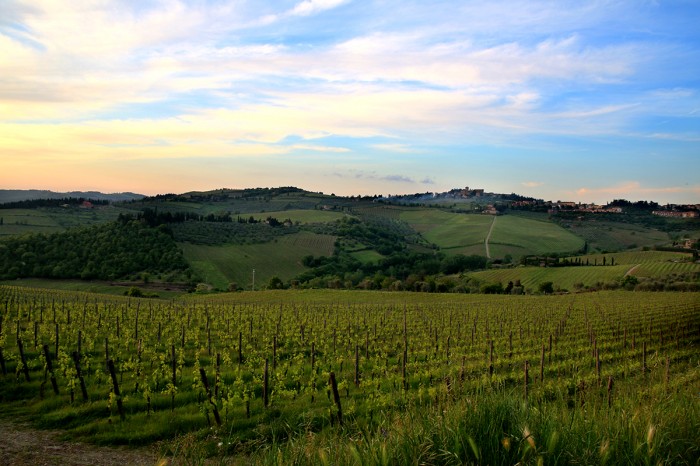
(580,100)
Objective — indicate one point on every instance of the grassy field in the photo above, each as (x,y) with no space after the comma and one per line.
(512,234)
(451,232)
(248,378)
(221,265)
(528,236)
(367,256)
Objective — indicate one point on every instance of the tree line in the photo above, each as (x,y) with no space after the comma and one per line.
(398,271)
(154,218)
(36,203)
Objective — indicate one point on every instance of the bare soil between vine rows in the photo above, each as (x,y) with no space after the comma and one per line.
(20,444)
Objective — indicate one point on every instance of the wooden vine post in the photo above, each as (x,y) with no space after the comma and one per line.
(22,358)
(106,351)
(217,375)
(79,373)
(266,398)
(56,349)
(115,386)
(274,352)
(205,382)
(240,348)
(527,364)
(336,397)
(542,366)
(2,363)
(357,365)
(405,352)
(49,368)
(174,377)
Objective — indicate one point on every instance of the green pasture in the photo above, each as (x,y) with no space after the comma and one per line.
(530,236)
(367,256)
(452,232)
(221,265)
(512,234)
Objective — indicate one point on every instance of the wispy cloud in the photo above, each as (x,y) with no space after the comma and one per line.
(532,184)
(377,176)
(315,148)
(398,179)
(445,82)
(595,112)
(309,7)
(395,147)
(634,190)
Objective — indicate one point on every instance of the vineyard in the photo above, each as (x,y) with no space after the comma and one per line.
(564,277)
(52,220)
(223,264)
(362,378)
(640,264)
(614,236)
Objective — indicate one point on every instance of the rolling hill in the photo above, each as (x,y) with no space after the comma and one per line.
(17,195)
(369,242)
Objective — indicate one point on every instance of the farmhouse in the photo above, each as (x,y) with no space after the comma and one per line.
(676,214)
(490,210)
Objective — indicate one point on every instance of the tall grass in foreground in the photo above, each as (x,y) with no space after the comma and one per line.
(497,429)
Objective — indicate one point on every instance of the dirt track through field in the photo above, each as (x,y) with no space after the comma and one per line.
(488,237)
(22,445)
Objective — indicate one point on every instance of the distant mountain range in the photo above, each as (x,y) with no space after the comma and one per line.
(16,195)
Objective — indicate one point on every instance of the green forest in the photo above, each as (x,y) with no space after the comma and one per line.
(109,251)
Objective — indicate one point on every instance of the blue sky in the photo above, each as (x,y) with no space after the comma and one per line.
(582,100)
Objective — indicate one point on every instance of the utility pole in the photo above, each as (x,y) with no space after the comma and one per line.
(253,279)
